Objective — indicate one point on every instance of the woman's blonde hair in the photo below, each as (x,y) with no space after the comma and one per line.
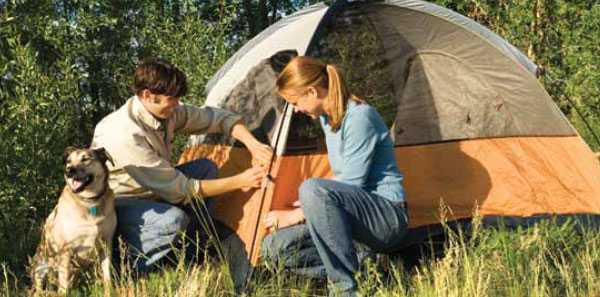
(303,72)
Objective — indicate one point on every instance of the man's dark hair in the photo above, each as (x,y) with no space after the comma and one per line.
(159,77)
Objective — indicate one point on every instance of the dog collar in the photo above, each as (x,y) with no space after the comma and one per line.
(93,211)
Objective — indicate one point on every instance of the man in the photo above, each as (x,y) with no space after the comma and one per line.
(154,198)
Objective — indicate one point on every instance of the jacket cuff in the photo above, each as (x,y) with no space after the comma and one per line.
(194,192)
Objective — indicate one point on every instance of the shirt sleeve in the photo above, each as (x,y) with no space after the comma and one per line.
(359,140)
(199,120)
(156,174)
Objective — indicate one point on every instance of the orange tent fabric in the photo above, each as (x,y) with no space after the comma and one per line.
(513,176)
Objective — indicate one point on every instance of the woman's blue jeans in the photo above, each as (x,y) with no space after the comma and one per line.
(336,215)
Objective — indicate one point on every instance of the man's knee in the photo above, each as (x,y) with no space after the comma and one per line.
(152,229)
(172,220)
(211,169)
(135,216)
(199,169)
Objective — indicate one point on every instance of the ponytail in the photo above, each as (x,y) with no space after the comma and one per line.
(338,96)
(336,103)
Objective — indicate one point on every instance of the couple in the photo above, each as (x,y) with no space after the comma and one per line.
(364,202)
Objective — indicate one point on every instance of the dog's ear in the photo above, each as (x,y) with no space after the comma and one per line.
(68,151)
(103,155)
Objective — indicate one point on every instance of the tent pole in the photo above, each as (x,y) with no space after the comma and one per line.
(264,193)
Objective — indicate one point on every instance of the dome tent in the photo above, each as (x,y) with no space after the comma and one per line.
(472,126)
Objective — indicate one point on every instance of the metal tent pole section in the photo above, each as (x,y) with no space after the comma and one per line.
(278,144)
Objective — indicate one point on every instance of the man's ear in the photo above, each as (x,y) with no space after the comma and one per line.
(145,95)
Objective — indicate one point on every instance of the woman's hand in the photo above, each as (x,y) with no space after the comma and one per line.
(251,178)
(282,218)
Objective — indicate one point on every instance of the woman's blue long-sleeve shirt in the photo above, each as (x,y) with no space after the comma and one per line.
(361,152)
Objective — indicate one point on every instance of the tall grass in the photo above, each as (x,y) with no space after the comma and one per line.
(544,260)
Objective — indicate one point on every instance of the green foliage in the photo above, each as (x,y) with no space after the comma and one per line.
(65,65)
(545,260)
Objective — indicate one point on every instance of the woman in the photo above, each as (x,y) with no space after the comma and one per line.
(365,199)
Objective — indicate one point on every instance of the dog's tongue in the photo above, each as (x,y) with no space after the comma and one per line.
(76,185)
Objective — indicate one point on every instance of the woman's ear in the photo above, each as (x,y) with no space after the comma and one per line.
(312,91)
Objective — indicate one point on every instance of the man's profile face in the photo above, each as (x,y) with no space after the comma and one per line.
(160,106)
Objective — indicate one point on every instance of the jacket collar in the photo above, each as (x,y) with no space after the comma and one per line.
(143,116)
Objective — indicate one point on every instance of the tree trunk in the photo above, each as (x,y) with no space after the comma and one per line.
(535,30)
(176,12)
(263,16)
(274,7)
(249,14)
(257,16)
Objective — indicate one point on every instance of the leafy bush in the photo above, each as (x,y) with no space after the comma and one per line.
(64,66)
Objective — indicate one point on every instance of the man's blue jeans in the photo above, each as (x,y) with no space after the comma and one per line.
(151,229)
(336,215)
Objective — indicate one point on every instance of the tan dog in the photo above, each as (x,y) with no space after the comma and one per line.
(80,229)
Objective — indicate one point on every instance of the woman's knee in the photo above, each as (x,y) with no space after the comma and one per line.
(313,192)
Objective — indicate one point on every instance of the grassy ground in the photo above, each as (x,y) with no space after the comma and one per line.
(545,260)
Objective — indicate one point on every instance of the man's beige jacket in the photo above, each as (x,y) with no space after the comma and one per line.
(140,146)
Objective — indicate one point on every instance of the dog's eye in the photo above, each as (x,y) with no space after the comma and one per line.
(85,160)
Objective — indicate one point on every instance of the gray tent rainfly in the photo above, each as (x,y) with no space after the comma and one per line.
(473,127)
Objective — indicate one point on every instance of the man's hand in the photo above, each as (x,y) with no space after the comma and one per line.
(251,178)
(261,153)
